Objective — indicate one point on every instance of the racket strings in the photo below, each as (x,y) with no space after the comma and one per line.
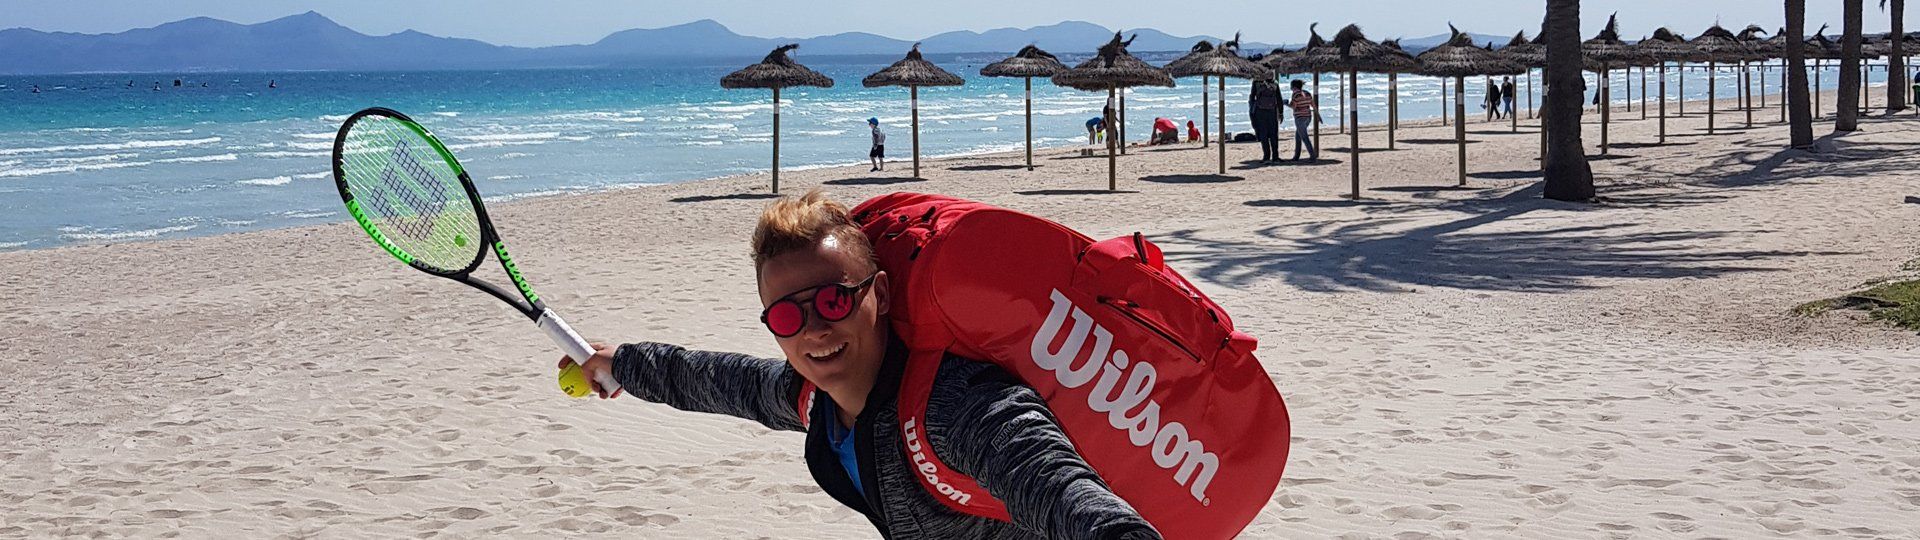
(414,197)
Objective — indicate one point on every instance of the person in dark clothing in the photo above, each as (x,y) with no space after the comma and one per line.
(1493,100)
(826,301)
(1507,94)
(1265,100)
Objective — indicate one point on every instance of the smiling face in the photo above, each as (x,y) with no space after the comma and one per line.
(841,357)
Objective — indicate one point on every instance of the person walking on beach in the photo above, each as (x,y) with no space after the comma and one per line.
(1507,93)
(1266,118)
(826,303)
(1492,105)
(878,155)
(1305,113)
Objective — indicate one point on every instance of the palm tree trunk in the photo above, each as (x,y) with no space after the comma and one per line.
(1799,116)
(1847,116)
(1896,58)
(1568,177)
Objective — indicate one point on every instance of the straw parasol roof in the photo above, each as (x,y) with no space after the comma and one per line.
(1666,46)
(1350,50)
(1722,46)
(1525,53)
(1224,61)
(913,70)
(1284,61)
(1029,62)
(1112,67)
(1822,48)
(1458,57)
(1758,48)
(776,71)
(1776,46)
(1607,49)
(1198,49)
(1394,46)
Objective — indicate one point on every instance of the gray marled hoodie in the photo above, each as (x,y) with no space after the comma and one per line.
(983,422)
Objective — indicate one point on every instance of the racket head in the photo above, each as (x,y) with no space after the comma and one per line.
(406,190)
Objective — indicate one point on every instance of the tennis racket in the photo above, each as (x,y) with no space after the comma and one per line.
(408,192)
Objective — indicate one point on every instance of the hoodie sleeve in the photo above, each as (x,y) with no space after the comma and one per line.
(758,389)
(999,432)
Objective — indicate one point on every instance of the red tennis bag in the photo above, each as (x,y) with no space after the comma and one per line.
(1146,374)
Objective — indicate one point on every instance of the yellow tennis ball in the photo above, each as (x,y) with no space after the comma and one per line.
(573,381)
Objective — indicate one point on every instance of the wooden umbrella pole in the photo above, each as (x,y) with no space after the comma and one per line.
(1663,103)
(1816,88)
(1783,92)
(1762,78)
(1629,88)
(1123,121)
(1343,104)
(1543,134)
(914,100)
(1205,102)
(1029,123)
(1530,94)
(1113,183)
(1746,75)
(1512,118)
(1393,108)
(1443,101)
(1606,106)
(1223,125)
(1316,110)
(776,139)
(1353,91)
(1643,92)
(1681,72)
(1713,95)
(1460,128)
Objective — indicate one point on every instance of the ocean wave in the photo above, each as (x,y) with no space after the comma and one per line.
(41,171)
(199,159)
(122,235)
(275,181)
(701,143)
(448,114)
(745,108)
(163,143)
(314,176)
(727,127)
(507,177)
(511,155)
(316,136)
(822,133)
(284,154)
(304,214)
(334,118)
(11,245)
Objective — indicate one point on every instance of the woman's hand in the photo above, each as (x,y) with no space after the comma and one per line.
(597,366)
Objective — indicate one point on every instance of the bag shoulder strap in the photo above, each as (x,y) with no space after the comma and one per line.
(957,491)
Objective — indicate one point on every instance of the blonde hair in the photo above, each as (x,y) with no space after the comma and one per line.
(792,224)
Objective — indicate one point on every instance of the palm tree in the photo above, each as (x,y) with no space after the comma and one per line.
(1847,118)
(1568,177)
(1896,59)
(1799,111)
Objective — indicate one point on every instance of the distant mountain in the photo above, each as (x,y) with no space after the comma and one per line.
(311,41)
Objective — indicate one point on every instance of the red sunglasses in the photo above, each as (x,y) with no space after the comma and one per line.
(833,302)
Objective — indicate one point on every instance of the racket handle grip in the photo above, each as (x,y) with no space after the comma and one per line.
(575,346)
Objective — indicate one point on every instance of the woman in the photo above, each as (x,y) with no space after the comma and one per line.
(825,301)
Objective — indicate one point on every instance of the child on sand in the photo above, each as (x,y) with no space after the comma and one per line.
(825,301)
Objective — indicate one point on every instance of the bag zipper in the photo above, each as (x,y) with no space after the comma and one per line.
(1126,309)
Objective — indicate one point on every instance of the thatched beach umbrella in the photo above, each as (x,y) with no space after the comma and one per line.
(1459,58)
(1720,47)
(1513,120)
(1666,46)
(774,72)
(1759,50)
(913,72)
(1206,102)
(1607,50)
(1820,48)
(1222,62)
(1112,69)
(1393,91)
(1750,38)
(1030,62)
(1353,53)
(1775,48)
(1299,65)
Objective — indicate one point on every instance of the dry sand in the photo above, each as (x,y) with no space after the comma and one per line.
(1458,362)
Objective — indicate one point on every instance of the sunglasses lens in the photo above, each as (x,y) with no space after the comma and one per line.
(834,303)
(784,318)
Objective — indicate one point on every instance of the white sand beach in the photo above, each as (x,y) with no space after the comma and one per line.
(1459,363)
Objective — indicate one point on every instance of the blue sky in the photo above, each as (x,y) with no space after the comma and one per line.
(557,22)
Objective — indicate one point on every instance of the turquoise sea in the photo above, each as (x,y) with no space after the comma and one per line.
(117,157)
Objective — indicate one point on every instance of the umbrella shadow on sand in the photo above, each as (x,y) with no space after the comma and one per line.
(1191,178)
(989,167)
(727,197)
(1383,252)
(876,181)
(1074,192)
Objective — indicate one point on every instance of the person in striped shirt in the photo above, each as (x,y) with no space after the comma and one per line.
(1305,112)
